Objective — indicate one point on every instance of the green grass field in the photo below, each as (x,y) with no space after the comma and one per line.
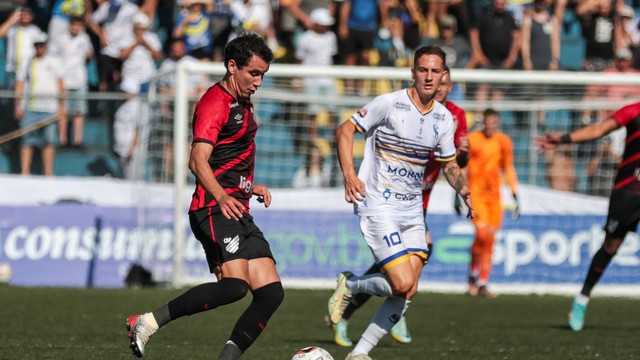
(54,323)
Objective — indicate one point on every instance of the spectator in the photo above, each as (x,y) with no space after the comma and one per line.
(138,57)
(495,39)
(74,49)
(541,38)
(404,27)
(256,16)
(196,86)
(455,46)
(220,27)
(20,32)
(112,22)
(628,34)
(316,47)
(601,170)
(39,98)
(598,26)
(315,172)
(129,129)
(561,170)
(436,10)
(295,19)
(61,13)
(357,28)
(192,25)
(495,42)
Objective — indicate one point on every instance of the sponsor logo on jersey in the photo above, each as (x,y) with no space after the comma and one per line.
(233,104)
(245,184)
(362,112)
(232,243)
(402,106)
(386,194)
(436,131)
(405,173)
(438,117)
(405,197)
(238,118)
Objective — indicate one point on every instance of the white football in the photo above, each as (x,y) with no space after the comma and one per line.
(312,353)
(5,273)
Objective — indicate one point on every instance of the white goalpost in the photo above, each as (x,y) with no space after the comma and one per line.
(558,237)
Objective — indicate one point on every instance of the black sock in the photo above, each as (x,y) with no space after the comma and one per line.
(252,322)
(598,264)
(162,315)
(359,299)
(207,296)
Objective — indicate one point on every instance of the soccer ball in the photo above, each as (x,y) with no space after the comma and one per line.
(312,353)
(5,273)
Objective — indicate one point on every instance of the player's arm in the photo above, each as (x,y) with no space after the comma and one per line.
(510,174)
(199,165)
(458,182)
(590,132)
(353,186)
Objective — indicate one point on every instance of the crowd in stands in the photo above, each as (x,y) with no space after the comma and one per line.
(129,39)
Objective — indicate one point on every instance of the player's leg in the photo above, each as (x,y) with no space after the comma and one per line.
(400,331)
(231,270)
(494,222)
(267,292)
(340,330)
(479,241)
(411,236)
(623,217)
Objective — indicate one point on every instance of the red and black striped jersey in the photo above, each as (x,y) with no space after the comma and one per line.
(433,167)
(229,126)
(628,177)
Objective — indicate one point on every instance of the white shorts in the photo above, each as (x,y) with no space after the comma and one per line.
(393,239)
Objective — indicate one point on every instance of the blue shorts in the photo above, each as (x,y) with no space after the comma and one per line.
(77,102)
(40,137)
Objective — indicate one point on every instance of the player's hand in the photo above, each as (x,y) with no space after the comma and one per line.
(231,208)
(264,195)
(465,145)
(515,214)
(465,194)
(457,205)
(549,141)
(353,189)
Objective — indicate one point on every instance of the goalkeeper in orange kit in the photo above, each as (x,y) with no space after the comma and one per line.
(491,154)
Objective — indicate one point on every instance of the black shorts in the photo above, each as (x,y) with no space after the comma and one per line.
(224,240)
(358,41)
(624,213)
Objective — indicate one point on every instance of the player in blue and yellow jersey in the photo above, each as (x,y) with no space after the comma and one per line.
(402,129)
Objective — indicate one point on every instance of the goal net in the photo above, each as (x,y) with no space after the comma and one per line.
(312,231)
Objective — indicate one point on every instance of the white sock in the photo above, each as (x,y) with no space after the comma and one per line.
(374,284)
(150,320)
(582,299)
(385,318)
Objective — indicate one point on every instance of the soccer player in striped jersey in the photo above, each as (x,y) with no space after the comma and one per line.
(402,129)
(624,202)
(222,159)
(400,331)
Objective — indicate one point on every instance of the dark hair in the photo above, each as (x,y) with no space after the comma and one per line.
(76,18)
(430,50)
(490,112)
(243,47)
(448,71)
